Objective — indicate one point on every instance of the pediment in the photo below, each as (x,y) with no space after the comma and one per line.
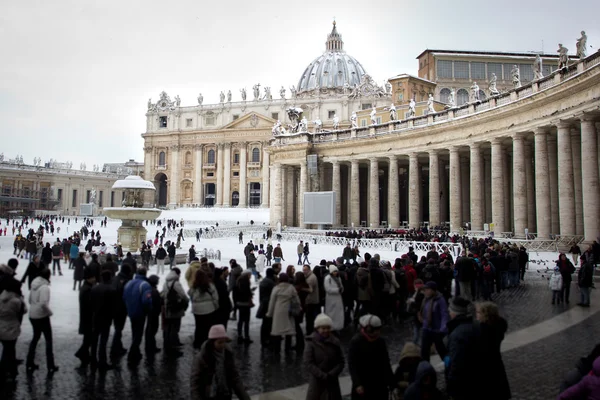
(251,121)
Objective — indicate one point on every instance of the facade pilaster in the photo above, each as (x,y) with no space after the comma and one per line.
(529,176)
(275,208)
(542,184)
(477,186)
(434,188)
(506,173)
(219,202)
(576,150)
(303,189)
(243,171)
(337,189)
(374,193)
(589,175)
(414,186)
(264,187)
(566,198)
(288,194)
(465,189)
(455,191)
(393,193)
(553,173)
(174,183)
(497,184)
(519,185)
(354,194)
(198,198)
(227,175)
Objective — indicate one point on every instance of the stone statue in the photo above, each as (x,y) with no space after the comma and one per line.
(347,89)
(563,56)
(354,120)
(388,87)
(267,95)
(200,99)
(373,116)
(492,88)
(336,122)
(293,91)
(451,99)
(243,92)
(411,108)
(177,101)
(222,97)
(537,68)
(582,46)
(229,96)
(150,104)
(430,108)
(282,92)
(303,125)
(93,196)
(318,125)
(276,128)
(474,92)
(1,157)
(516,76)
(256,90)
(393,113)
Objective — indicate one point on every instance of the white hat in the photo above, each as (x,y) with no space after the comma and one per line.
(332,269)
(370,320)
(323,320)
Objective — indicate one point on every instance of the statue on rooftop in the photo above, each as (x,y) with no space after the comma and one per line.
(177,101)
(243,92)
(373,116)
(354,120)
(582,46)
(516,76)
(336,122)
(493,89)
(256,90)
(200,99)
(318,125)
(563,56)
(282,92)
(451,99)
(268,95)
(411,108)
(393,113)
(222,97)
(474,92)
(229,96)
(293,91)
(537,68)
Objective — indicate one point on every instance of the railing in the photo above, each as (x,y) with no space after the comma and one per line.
(591,60)
(464,110)
(503,99)
(571,71)
(482,106)
(440,117)
(362,132)
(383,128)
(525,91)
(419,121)
(546,82)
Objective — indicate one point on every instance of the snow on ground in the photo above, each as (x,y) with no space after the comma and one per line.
(227,216)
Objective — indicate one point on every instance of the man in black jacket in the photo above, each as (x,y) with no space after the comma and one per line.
(103,303)
(110,265)
(86,318)
(120,311)
(129,260)
(264,294)
(171,250)
(160,256)
(33,270)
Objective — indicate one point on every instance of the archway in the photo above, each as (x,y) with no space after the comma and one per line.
(235,199)
(254,194)
(160,182)
(210,195)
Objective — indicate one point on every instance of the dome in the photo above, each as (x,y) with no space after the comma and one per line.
(333,69)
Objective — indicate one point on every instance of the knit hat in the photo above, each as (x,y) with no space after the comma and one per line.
(332,269)
(431,285)
(323,320)
(370,320)
(459,306)
(218,332)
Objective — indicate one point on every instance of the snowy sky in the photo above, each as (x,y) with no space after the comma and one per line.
(77,74)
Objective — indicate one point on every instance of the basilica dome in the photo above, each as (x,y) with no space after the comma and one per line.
(333,69)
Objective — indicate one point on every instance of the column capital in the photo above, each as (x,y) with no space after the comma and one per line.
(242,143)
(334,161)
(219,146)
(496,141)
(453,149)
(542,130)
(373,160)
(434,152)
(518,136)
(475,145)
(227,146)
(393,157)
(561,124)
(584,117)
(198,147)
(354,161)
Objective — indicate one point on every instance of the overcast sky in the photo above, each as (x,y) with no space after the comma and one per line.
(77,75)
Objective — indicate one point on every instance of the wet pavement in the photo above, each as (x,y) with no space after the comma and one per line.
(543,363)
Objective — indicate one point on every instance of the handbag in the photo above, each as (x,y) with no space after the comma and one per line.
(295,309)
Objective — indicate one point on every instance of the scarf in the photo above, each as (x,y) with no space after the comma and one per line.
(369,338)
(219,386)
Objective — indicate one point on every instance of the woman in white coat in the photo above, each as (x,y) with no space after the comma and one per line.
(280,307)
(261,260)
(334,304)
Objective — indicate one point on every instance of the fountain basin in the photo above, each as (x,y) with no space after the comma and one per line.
(131,213)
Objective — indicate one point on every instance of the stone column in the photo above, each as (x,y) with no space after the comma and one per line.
(374,193)
(264,188)
(487,191)
(497,186)
(174,181)
(336,187)
(393,193)
(553,173)
(531,209)
(465,189)
(542,184)
(148,163)
(227,175)
(455,191)
(477,188)
(288,194)
(589,175)
(198,186)
(354,194)
(576,149)
(566,198)
(243,171)
(303,188)
(506,174)
(434,188)
(519,185)
(275,209)
(414,186)
(219,202)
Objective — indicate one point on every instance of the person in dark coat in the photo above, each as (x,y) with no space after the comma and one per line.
(130,260)
(86,319)
(523,260)
(153,317)
(425,384)
(110,265)
(492,330)
(33,270)
(103,303)
(251,263)
(120,312)
(324,361)
(585,281)
(192,253)
(265,288)
(220,282)
(566,271)
(582,368)
(367,350)
(406,372)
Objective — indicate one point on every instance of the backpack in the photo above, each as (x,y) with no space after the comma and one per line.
(174,303)
(487,270)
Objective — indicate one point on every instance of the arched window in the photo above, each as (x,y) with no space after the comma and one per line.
(482,95)
(162,159)
(211,156)
(188,158)
(444,95)
(236,157)
(462,97)
(255,155)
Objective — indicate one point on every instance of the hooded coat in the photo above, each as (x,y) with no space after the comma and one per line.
(279,305)
(324,361)
(494,379)
(418,389)
(406,372)
(464,344)
(334,304)
(588,388)
(190,273)
(86,310)
(363,355)
(12,308)
(172,283)
(39,299)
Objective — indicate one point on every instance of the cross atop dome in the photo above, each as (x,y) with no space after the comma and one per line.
(334,40)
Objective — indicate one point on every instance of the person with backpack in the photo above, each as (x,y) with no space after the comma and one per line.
(175,303)
(488,273)
(434,317)
(567,270)
(306,252)
(138,300)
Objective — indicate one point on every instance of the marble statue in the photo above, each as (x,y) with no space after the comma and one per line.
(222,97)
(276,128)
(537,68)
(474,92)
(582,46)
(388,87)
(347,89)
(1,157)
(303,125)
(516,76)
(243,92)
(411,108)
(393,113)
(430,108)
(294,114)
(229,96)
(563,56)
(293,91)
(256,90)
(268,95)
(93,196)
(492,88)
(177,101)
(200,99)
(282,92)
(336,122)
(373,116)
(354,120)
(451,99)
(318,125)
(150,104)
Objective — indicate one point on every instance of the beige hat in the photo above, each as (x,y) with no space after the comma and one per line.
(323,320)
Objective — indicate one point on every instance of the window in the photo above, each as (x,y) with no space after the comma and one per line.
(363,122)
(235,116)
(210,119)
(494,68)
(112,199)
(236,158)
(477,70)
(255,155)
(444,95)
(366,106)
(444,69)
(188,123)
(400,96)
(507,73)
(162,159)
(546,69)
(378,119)
(162,122)
(482,95)
(101,199)
(235,199)
(236,173)
(59,195)
(461,70)
(275,116)
(330,114)
(74,201)
(88,196)
(211,156)
(210,174)
(526,72)
(462,97)
(188,158)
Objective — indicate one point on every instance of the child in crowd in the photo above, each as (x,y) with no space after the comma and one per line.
(556,283)
(413,305)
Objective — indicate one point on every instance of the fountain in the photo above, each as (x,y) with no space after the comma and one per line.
(131,233)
